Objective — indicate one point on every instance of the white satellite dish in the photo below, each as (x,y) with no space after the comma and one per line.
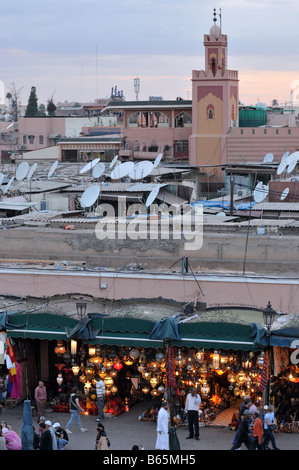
(90,195)
(112,163)
(158,160)
(282,166)
(222,214)
(89,166)
(122,170)
(292,165)
(285,155)
(8,185)
(284,193)
(52,169)
(261,192)
(31,171)
(22,171)
(152,196)
(98,170)
(1,178)
(268,158)
(141,170)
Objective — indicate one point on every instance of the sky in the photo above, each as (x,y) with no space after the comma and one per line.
(75,50)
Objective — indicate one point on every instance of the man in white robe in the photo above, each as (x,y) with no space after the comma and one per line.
(162,442)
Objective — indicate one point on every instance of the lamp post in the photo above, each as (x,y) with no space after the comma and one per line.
(81,309)
(269,316)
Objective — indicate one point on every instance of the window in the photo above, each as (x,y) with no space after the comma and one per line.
(41,139)
(24,139)
(31,139)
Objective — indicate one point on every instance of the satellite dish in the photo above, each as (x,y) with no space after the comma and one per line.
(89,166)
(141,170)
(98,170)
(122,170)
(285,155)
(90,195)
(268,158)
(8,185)
(1,178)
(284,193)
(112,163)
(53,168)
(152,196)
(292,166)
(158,160)
(282,166)
(222,214)
(22,171)
(31,171)
(261,192)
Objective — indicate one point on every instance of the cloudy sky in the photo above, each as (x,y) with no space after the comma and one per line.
(78,50)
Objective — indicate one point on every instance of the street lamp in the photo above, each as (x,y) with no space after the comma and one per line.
(81,309)
(269,316)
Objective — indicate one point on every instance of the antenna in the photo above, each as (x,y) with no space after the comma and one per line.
(136,87)
(152,196)
(141,170)
(158,160)
(31,171)
(8,185)
(89,166)
(112,163)
(53,168)
(98,170)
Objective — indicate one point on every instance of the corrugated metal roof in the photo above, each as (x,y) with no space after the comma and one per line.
(277,206)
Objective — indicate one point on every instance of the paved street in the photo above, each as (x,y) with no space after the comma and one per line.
(126,430)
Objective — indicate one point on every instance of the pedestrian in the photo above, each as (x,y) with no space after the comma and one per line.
(100,433)
(12,439)
(45,442)
(101,395)
(243,432)
(269,426)
(244,406)
(61,435)
(102,442)
(42,419)
(192,405)
(258,432)
(75,409)
(162,442)
(2,440)
(51,430)
(40,395)
(36,439)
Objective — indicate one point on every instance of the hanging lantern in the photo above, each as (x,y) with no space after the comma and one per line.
(241,377)
(129,361)
(216,360)
(159,356)
(59,379)
(91,350)
(82,378)
(113,374)
(223,358)
(59,349)
(205,389)
(108,381)
(260,360)
(134,353)
(200,355)
(154,392)
(113,389)
(75,369)
(145,390)
(118,365)
(112,354)
(161,389)
(96,360)
(67,357)
(87,387)
(153,382)
(231,378)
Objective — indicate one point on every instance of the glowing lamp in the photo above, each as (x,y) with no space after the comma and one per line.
(59,349)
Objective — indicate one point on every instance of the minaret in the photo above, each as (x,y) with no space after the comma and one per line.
(215,99)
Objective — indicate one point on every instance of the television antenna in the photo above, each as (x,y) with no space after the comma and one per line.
(90,196)
(22,171)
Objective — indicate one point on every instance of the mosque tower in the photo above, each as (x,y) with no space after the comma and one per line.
(215,102)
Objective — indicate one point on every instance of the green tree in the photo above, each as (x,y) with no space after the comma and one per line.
(32,107)
(274,103)
(51,108)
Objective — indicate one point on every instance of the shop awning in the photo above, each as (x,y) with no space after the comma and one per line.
(136,332)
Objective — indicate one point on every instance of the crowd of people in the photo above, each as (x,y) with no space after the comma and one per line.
(256,427)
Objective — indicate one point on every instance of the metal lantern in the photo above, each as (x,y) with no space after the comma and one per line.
(59,349)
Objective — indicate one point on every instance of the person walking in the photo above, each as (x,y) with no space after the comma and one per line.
(162,441)
(192,405)
(40,396)
(243,436)
(101,395)
(75,409)
(258,432)
(269,426)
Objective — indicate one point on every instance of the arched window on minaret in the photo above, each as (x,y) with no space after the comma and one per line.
(213,67)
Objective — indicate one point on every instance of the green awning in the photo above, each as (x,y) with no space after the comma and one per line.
(118,331)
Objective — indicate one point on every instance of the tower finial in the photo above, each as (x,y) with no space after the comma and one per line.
(215,15)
